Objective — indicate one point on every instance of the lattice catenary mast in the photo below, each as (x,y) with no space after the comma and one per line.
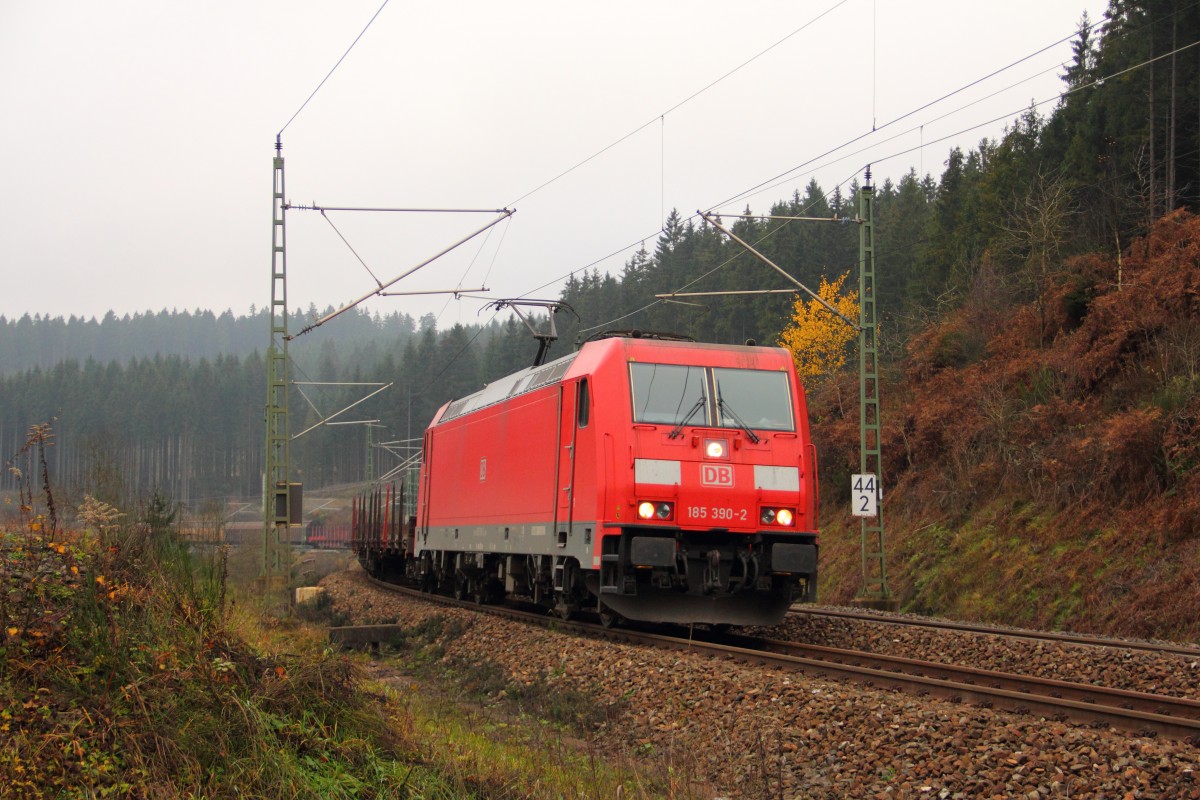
(277,499)
(874,565)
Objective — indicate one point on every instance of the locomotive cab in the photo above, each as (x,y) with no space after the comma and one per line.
(714,514)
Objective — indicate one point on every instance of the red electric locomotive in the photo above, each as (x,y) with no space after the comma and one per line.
(646,479)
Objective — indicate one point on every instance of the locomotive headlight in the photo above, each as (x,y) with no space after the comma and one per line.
(783,517)
(715,448)
(649,510)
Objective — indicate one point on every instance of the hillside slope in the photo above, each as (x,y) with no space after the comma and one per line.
(1041,459)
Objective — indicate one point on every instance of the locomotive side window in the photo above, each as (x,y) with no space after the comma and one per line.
(582,405)
(760,398)
(667,394)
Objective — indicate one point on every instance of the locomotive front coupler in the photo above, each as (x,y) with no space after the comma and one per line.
(712,575)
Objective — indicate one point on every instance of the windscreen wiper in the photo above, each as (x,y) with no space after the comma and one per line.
(678,429)
(722,405)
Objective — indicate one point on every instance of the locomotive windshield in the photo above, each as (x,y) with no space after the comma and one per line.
(670,394)
(758,397)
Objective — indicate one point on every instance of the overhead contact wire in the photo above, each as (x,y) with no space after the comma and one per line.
(467,271)
(496,252)
(680,104)
(785,174)
(779,177)
(860,137)
(722,265)
(1096,82)
(1104,19)
(766,188)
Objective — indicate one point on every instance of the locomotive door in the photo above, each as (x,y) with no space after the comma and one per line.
(565,485)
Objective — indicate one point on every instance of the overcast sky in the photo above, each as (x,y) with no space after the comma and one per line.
(137,138)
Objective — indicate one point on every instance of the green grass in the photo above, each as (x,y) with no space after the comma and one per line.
(125,674)
(129,669)
(486,753)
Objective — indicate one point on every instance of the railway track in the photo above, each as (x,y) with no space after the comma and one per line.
(1136,712)
(991,630)
(1044,696)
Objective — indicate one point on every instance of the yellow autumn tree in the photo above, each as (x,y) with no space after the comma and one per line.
(816,338)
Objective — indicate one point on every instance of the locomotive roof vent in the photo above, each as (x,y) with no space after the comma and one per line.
(526,380)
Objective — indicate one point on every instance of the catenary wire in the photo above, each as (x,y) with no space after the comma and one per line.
(351,247)
(467,271)
(1098,23)
(766,235)
(923,145)
(680,104)
(906,115)
(496,252)
(683,102)
(882,252)
(335,66)
(757,187)
(760,186)
(660,118)
(776,184)
(1096,82)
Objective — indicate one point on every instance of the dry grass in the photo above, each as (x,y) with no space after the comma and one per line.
(130,667)
(1042,468)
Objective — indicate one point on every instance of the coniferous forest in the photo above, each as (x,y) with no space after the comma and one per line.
(173,400)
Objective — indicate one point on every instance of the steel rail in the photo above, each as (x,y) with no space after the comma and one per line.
(1136,712)
(1051,636)
(1091,694)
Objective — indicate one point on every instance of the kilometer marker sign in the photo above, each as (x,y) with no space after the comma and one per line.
(864,493)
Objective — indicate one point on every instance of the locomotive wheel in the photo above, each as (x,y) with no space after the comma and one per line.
(488,591)
(563,608)
(609,618)
(565,602)
(460,588)
(428,577)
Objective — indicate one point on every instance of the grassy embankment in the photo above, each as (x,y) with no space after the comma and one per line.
(1042,457)
(130,669)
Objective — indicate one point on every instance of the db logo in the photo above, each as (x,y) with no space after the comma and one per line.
(716,475)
